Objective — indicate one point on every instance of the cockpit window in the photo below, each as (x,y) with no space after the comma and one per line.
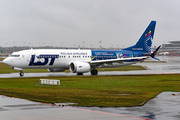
(15,56)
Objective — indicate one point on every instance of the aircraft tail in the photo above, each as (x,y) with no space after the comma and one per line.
(145,41)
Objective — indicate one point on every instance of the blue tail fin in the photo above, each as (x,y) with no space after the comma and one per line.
(145,41)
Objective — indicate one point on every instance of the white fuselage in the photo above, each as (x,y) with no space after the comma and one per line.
(47,58)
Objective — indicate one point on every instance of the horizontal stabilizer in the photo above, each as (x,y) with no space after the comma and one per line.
(154,53)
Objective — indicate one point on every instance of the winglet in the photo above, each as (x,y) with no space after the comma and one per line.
(154,53)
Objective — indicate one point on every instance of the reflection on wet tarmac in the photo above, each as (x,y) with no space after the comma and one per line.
(20,109)
(166,106)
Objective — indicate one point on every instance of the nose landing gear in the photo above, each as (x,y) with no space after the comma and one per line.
(20,70)
(21,73)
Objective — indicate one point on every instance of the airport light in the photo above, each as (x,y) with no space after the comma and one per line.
(1,53)
(62,45)
(100,45)
(39,45)
(83,44)
(6,48)
(13,46)
(29,45)
(24,45)
(51,45)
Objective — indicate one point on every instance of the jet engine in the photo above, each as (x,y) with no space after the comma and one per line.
(56,69)
(79,67)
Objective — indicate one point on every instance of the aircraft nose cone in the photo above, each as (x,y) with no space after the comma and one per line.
(7,61)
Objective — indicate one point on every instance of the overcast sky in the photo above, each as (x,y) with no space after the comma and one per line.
(116,23)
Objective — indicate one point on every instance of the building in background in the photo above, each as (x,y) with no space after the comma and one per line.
(173,48)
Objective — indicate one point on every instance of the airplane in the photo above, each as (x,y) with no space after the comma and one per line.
(82,61)
(164,53)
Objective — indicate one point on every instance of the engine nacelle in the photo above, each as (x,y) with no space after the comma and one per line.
(79,67)
(56,69)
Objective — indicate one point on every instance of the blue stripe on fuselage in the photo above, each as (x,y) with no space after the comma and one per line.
(114,54)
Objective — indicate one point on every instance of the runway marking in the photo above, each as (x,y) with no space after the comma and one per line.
(107,113)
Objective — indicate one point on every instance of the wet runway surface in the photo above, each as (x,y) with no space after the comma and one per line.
(163,107)
(20,109)
(166,106)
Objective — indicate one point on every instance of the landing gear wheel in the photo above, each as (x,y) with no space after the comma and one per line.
(21,74)
(94,72)
(79,73)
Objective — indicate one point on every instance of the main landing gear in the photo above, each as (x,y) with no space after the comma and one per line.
(79,73)
(94,72)
(21,73)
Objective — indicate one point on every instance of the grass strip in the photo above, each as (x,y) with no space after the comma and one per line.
(1,59)
(101,91)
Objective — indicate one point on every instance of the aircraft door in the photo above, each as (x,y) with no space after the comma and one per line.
(135,54)
(28,54)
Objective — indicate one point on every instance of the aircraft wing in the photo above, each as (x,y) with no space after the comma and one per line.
(119,60)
